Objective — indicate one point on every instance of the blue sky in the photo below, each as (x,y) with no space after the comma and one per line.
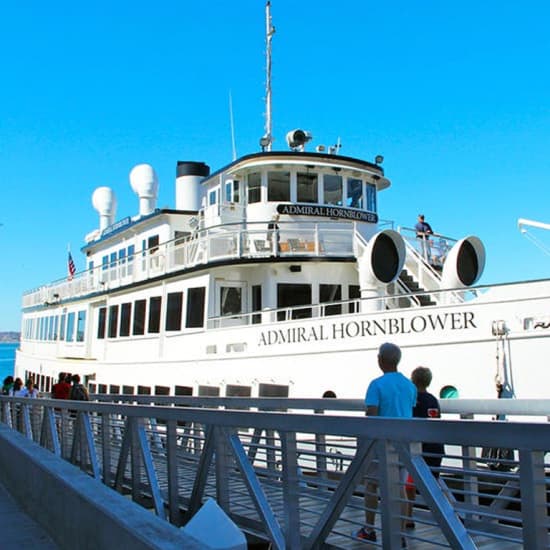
(455,95)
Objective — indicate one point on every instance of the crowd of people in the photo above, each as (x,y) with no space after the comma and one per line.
(67,387)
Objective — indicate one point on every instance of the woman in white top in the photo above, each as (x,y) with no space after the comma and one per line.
(28,391)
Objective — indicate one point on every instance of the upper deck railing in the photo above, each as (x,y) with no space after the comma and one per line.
(206,246)
(227,242)
(296,479)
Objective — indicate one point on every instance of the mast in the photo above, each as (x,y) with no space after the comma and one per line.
(269,32)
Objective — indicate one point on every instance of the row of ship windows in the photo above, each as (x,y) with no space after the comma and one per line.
(144,316)
(126,255)
(45,383)
(132,318)
(70,327)
(303,187)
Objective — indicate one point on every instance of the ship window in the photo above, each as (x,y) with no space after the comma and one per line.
(154,315)
(50,327)
(70,327)
(183,390)
(92,388)
(139,317)
(102,316)
(55,327)
(162,390)
(230,300)
(254,187)
(153,244)
(228,194)
(233,390)
(105,263)
(332,187)
(209,391)
(174,305)
(122,261)
(289,295)
(113,321)
(355,193)
(144,390)
(128,390)
(256,303)
(62,327)
(102,388)
(306,187)
(114,388)
(272,390)
(80,326)
(353,294)
(371,197)
(212,197)
(278,186)
(113,259)
(195,307)
(331,293)
(125,317)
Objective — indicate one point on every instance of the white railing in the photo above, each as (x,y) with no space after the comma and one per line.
(296,480)
(206,246)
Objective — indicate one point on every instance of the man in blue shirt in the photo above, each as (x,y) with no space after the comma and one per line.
(423,231)
(390,395)
(422,227)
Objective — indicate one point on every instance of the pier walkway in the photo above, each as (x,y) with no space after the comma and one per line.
(18,531)
(291,472)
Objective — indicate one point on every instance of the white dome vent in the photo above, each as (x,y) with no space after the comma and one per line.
(104,201)
(144,182)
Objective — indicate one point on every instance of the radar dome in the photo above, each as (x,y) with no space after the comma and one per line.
(144,182)
(104,201)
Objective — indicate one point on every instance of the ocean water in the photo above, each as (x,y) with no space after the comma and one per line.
(7,360)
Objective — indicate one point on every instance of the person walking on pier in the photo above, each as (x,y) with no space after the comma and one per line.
(62,389)
(427,406)
(78,390)
(390,395)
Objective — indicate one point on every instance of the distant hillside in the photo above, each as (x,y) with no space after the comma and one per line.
(8,337)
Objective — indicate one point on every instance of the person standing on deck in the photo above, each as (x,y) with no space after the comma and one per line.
(390,395)
(423,231)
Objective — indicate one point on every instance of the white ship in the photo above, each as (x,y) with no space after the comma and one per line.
(218,296)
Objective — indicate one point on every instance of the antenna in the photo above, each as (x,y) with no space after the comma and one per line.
(232,123)
(267,138)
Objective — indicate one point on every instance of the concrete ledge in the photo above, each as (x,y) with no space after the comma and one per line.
(75,509)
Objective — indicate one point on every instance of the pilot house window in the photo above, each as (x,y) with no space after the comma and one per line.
(254,187)
(371,197)
(306,190)
(332,186)
(278,186)
(355,193)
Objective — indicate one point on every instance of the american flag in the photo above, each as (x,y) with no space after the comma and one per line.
(70,267)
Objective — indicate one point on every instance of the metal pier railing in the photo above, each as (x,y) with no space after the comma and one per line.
(296,478)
